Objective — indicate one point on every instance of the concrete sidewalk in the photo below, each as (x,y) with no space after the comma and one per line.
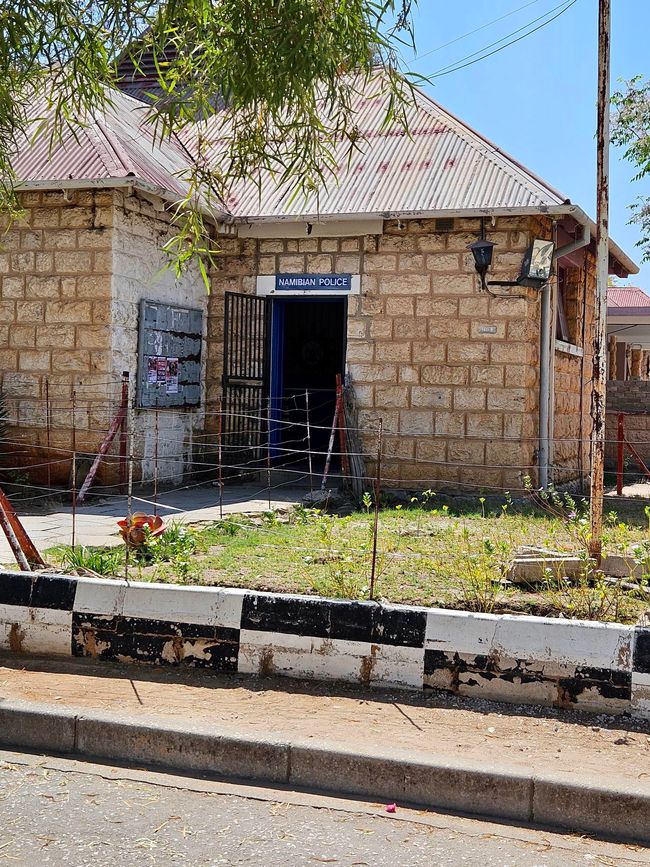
(96,522)
(516,763)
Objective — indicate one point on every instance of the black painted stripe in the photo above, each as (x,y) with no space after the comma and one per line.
(15,588)
(400,627)
(352,621)
(288,615)
(608,682)
(330,618)
(54,591)
(641,654)
(155,641)
(37,590)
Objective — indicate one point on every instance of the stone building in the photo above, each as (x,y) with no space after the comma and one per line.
(477,384)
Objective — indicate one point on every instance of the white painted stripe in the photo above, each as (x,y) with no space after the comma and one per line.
(399,667)
(202,605)
(641,708)
(543,639)
(36,630)
(24,616)
(330,659)
(598,645)
(460,631)
(99,596)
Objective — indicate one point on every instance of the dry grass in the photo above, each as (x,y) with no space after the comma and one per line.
(427,556)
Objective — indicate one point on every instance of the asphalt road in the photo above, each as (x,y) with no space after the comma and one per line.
(63,812)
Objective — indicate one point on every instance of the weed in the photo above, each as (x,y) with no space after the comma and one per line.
(228,527)
(103,561)
(302,515)
(481,574)
(270,518)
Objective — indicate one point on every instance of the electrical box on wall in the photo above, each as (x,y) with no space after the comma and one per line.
(169,356)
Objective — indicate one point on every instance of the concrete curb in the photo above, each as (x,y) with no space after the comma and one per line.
(491,792)
(586,665)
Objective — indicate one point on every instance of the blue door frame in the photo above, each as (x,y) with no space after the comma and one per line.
(277,360)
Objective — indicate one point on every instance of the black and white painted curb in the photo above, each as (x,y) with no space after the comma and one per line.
(587,665)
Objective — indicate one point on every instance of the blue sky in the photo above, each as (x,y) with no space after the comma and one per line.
(537,99)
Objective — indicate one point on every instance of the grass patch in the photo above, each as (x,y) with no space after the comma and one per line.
(444,557)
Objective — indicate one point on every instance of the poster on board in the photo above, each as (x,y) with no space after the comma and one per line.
(172,375)
(152,369)
(161,369)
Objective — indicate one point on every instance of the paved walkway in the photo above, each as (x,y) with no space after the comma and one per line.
(96,522)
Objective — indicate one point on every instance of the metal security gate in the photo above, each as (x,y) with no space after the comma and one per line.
(246,363)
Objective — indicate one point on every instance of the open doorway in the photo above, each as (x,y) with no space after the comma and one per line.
(308,351)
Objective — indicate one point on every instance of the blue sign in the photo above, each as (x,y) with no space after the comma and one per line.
(313,282)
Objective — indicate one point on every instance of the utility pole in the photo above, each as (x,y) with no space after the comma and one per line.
(602,273)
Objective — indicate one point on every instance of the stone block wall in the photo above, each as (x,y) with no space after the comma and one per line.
(55,313)
(140,231)
(451,370)
(72,272)
(631,397)
(573,373)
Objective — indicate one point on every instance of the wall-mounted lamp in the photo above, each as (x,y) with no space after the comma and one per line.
(536,266)
(482,253)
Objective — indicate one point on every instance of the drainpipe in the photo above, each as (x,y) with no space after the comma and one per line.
(547,362)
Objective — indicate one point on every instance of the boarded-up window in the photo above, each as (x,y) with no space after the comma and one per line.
(169,356)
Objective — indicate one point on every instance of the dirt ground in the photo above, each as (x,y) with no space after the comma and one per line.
(600,749)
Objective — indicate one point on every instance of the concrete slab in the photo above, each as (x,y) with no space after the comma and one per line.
(96,522)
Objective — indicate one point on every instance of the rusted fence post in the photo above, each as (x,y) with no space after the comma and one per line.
(219,457)
(74,469)
(620,447)
(268,451)
(48,431)
(155,463)
(124,404)
(310,467)
(375,530)
(129,491)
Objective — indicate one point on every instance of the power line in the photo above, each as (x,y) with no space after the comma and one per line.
(446,70)
(476,30)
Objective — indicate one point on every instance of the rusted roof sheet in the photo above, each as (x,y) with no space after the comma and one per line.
(441,165)
(626,297)
(116,143)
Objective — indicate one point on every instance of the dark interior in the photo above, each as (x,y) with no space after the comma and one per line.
(313,354)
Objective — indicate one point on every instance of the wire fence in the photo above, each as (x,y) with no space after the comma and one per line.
(304,443)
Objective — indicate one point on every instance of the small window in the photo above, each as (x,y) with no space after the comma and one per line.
(569,305)
(562,331)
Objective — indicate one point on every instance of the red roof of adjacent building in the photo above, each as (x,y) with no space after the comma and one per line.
(626,297)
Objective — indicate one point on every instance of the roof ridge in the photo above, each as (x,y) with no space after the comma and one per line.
(101,144)
(113,148)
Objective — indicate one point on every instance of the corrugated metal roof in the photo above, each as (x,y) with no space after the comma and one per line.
(441,165)
(114,143)
(626,297)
